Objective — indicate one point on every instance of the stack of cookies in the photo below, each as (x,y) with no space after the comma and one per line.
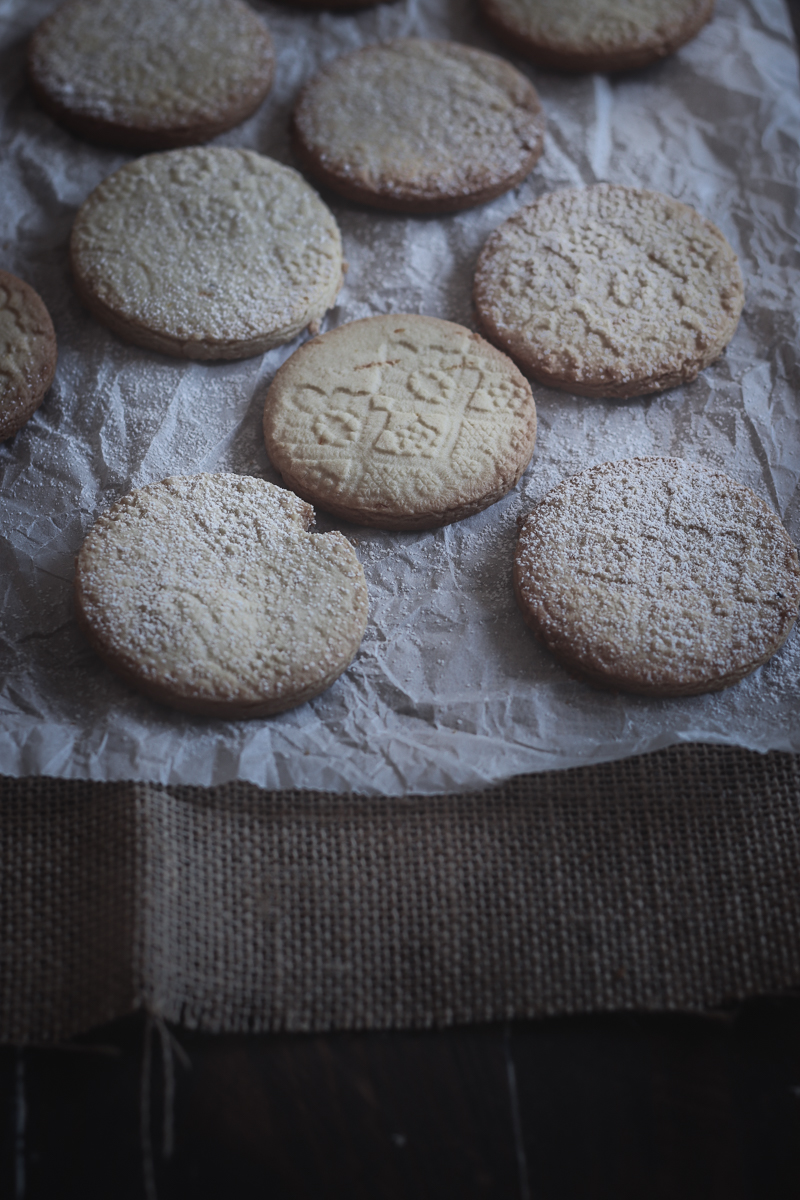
(208,593)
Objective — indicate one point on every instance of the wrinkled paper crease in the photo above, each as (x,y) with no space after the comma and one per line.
(449,690)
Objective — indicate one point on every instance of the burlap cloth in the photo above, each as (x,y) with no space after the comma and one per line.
(668,881)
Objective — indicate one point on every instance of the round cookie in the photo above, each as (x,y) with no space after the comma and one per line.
(400,422)
(418,126)
(150,74)
(657,576)
(206,593)
(595,35)
(27,353)
(609,291)
(206,253)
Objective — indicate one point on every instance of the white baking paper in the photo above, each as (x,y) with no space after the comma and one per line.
(449,689)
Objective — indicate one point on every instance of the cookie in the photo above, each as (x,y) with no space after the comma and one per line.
(418,126)
(595,35)
(206,593)
(657,576)
(150,75)
(400,422)
(206,253)
(609,291)
(27,353)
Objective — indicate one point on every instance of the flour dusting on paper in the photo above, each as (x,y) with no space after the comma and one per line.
(449,689)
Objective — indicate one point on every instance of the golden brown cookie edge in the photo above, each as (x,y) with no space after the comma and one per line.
(578,62)
(673,375)
(142,136)
(407,200)
(606,680)
(228,709)
(393,519)
(46,368)
(136,333)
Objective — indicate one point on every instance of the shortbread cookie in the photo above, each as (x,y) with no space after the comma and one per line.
(206,253)
(657,576)
(402,422)
(27,353)
(595,35)
(207,593)
(151,74)
(418,126)
(609,291)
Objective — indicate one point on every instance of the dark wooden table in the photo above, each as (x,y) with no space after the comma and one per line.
(619,1107)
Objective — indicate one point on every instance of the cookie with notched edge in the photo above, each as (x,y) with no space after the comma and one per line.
(657,576)
(27,353)
(150,75)
(609,291)
(206,252)
(418,126)
(400,422)
(595,35)
(206,593)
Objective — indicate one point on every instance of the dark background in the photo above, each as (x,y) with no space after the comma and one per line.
(614,1106)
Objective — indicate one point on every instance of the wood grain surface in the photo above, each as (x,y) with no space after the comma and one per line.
(612,1107)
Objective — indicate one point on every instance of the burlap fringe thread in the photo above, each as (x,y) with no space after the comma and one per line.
(668,881)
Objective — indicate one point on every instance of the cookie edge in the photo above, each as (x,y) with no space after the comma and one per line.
(46,373)
(406,200)
(515,345)
(393,520)
(609,681)
(230,709)
(550,57)
(137,333)
(142,136)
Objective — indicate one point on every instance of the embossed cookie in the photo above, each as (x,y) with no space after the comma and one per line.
(595,35)
(207,253)
(418,126)
(609,291)
(150,74)
(657,576)
(27,353)
(207,593)
(401,422)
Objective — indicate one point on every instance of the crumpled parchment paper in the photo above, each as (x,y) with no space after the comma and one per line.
(449,689)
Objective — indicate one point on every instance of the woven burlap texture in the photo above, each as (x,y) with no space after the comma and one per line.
(669,881)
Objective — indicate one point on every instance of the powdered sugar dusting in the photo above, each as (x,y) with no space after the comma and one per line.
(209,588)
(418,120)
(449,690)
(657,575)
(27,352)
(207,252)
(598,24)
(153,64)
(609,290)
